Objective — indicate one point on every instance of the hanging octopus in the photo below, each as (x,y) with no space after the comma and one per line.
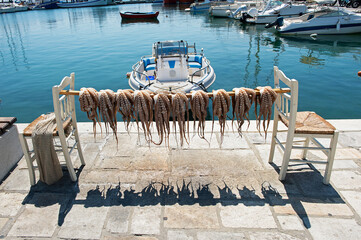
(124,104)
(265,99)
(199,105)
(143,109)
(89,103)
(179,110)
(242,102)
(221,104)
(106,109)
(162,111)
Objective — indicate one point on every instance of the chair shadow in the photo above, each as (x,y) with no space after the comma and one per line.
(308,184)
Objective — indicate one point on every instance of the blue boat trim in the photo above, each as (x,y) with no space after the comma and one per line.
(171,64)
(303,29)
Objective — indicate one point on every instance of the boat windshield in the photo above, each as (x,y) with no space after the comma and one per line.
(170,48)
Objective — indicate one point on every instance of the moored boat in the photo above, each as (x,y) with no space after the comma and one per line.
(136,15)
(325,20)
(83,3)
(45,4)
(172,67)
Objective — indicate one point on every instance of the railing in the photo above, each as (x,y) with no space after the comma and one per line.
(201,69)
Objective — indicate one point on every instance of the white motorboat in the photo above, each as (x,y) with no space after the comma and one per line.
(12,7)
(200,6)
(272,11)
(83,3)
(325,20)
(172,67)
(224,10)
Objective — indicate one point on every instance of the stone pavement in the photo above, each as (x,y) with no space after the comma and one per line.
(135,191)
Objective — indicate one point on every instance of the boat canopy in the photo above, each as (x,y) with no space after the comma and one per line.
(170,48)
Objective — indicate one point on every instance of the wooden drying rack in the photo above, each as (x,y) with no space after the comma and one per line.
(231,94)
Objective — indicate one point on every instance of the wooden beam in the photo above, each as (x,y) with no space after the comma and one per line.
(277,90)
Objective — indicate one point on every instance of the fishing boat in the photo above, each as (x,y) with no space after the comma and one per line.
(325,20)
(12,7)
(272,11)
(83,3)
(45,4)
(173,66)
(139,15)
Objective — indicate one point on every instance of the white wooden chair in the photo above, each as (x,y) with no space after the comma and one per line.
(64,109)
(300,124)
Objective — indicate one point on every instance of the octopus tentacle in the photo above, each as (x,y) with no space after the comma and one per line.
(199,105)
(89,103)
(221,105)
(179,109)
(106,109)
(162,110)
(266,99)
(143,109)
(124,105)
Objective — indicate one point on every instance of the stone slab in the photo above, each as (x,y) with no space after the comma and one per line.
(290,223)
(232,141)
(274,236)
(334,228)
(3,221)
(146,220)
(338,164)
(250,214)
(179,235)
(214,162)
(193,216)
(83,223)
(354,199)
(110,176)
(17,181)
(36,222)
(350,139)
(220,235)
(346,179)
(118,219)
(131,237)
(10,203)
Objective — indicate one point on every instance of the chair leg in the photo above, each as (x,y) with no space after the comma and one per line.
(273,141)
(29,162)
(330,158)
(307,143)
(286,155)
(80,152)
(69,164)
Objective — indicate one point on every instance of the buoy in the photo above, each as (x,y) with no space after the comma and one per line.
(128,74)
(359,73)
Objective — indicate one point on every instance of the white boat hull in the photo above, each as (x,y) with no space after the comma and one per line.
(90,3)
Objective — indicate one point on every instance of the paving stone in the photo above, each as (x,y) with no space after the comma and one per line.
(334,228)
(132,237)
(273,236)
(346,179)
(264,150)
(10,203)
(110,176)
(214,162)
(143,158)
(194,216)
(268,180)
(232,141)
(326,209)
(350,139)
(210,142)
(250,214)
(36,222)
(220,235)
(179,235)
(83,223)
(256,138)
(290,223)
(118,219)
(126,146)
(17,181)
(3,221)
(146,220)
(354,199)
(341,154)
(338,164)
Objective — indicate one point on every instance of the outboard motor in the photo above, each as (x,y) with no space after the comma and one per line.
(249,14)
(277,23)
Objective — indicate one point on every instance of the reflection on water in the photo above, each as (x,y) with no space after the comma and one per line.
(11,36)
(38,48)
(141,20)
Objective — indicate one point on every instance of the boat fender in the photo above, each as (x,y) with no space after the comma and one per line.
(359,73)
(277,23)
(338,25)
(244,16)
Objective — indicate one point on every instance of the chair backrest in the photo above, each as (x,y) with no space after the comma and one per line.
(286,104)
(64,106)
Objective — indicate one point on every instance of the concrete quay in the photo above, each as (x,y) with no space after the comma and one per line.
(201,191)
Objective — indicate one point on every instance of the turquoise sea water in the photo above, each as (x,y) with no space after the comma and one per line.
(39,48)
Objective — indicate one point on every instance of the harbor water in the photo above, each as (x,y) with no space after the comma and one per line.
(39,48)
